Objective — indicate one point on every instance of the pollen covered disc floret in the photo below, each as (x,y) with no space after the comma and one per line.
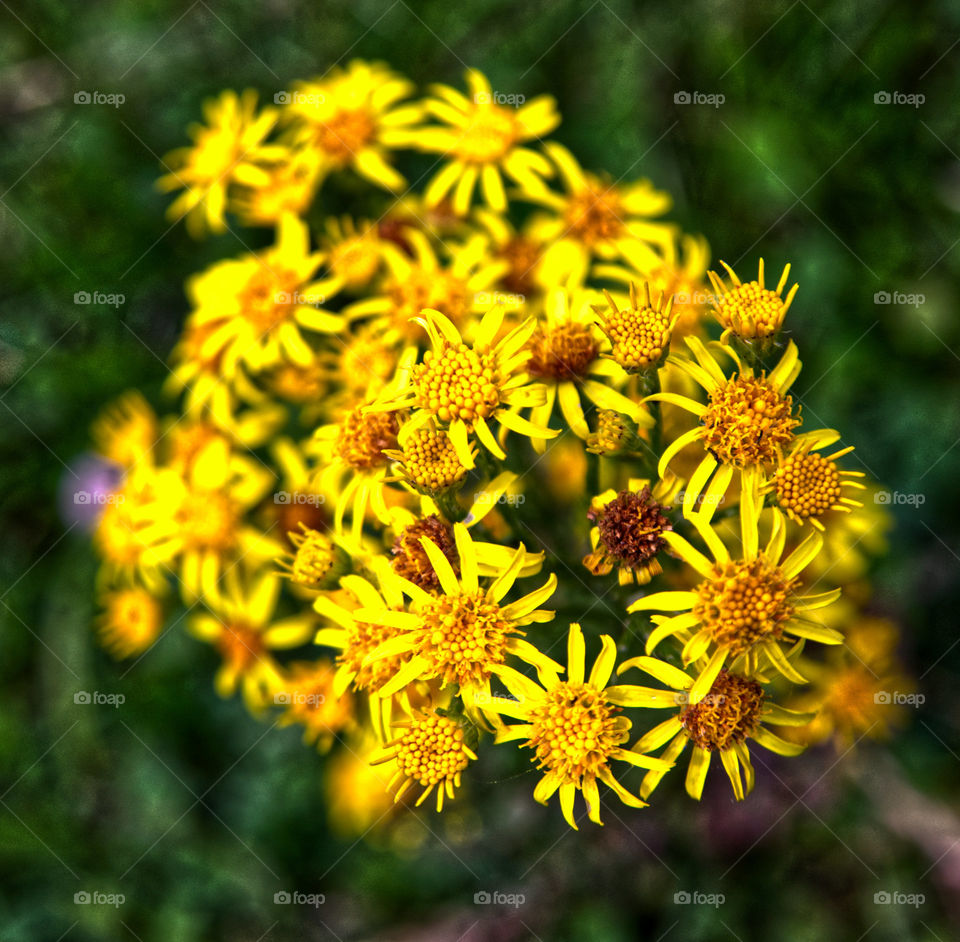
(640,334)
(410,559)
(575,730)
(746,602)
(364,436)
(431,461)
(315,556)
(727,715)
(562,352)
(748,422)
(457,382)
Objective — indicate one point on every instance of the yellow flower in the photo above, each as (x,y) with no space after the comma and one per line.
(427,459)
(462,388)
(256,305)
(743,609)
(629,530)
(315,559)
(355,116)
(720,719)
(463,635)
(750,310)
(241,626)
(602,220)
(527,275)
(575,728)
(130,621)
(306,695)
(809,485)
(640,334)
(747,424)
(127,430)
(460,286)
(354,251)
(565,352)
(290,186)
(430,751)
(483,139)
(229,149)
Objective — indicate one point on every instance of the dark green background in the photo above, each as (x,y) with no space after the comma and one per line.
(799,163)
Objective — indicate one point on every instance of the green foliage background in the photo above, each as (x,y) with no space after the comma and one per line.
(195,812)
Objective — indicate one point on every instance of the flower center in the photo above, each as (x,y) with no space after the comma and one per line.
(356,260)
(298,383)
(631,527)
(593,215)
(240,646)
(431,461)
(314,558)
(522,255)
(346,134)
(267,299)
(639,337)
(419,289)
(808,485)
(751,311)
(431,750)
(564,352)
(575,731)
(489,134)
(135,615)
(727,715)
(363,638)
(744,603)
(366,361)
(463,636)
(410,558)
(457,383)
(748,422)
(364,436)
(209,520)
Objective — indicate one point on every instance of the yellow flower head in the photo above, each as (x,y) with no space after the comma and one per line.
(229,149)
(307,698)
(750,310)
(290,187)
(575,727)
(430,751)
(483,135)
(354,117)
(640,334)
(719,719)
(130,622)
(428,460)
(126,431)
(315,559)
(463,388)
(354,251)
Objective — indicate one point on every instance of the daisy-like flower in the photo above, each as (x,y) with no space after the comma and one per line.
(809,485)
(464,634)
(130,621)
(720,719)
(355,116)
(229,149)
(127,430)
(742,610)
(306,695)
(461,285)
(356,449)
(526,274)
(640,334)
(484,139)
(354,251)
(315,560)
(628,531)
(565,352)
(463,388)
(575,728)
(747,423)
(241,626)
(255,306)
(430,750)
(600,219)
(750,310)
(290,187)
(427,461)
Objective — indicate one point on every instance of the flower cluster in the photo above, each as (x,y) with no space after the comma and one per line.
(407,439)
